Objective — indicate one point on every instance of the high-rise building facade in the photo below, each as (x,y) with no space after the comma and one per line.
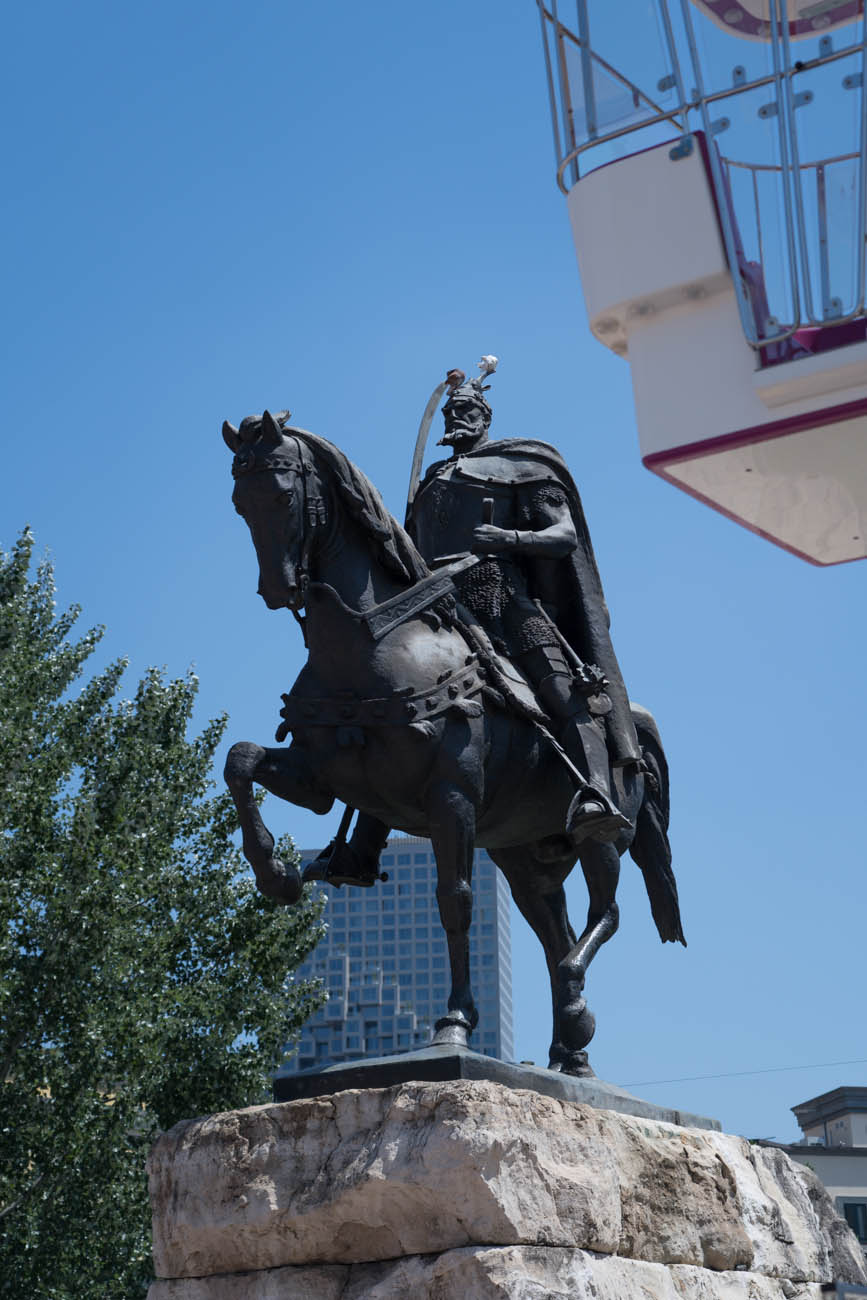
(384,963)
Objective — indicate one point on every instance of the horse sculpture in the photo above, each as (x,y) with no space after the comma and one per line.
(395,714)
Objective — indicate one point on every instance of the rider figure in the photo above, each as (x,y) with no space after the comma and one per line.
(536,593)
(534,570)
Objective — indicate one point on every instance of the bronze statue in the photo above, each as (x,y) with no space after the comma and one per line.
(460,685)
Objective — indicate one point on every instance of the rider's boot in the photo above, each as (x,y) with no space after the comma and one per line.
(352,862)
(592,813)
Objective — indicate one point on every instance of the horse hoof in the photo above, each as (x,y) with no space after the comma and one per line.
(281,882)
(453,1030)
(577,1026)
(575,1064)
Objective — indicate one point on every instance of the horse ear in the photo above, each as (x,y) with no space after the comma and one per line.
(270,429)
(231,436)
(282,416)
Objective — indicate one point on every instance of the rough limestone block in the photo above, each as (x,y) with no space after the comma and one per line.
(380,1174)
(490,1273)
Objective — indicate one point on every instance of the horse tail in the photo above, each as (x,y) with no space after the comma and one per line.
(650,847)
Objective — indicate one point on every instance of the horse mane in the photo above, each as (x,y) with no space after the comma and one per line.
(391,544)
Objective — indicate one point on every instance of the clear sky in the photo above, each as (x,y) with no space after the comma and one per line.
(211,209)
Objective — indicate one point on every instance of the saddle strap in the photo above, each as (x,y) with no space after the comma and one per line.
(450,691)
(421,595)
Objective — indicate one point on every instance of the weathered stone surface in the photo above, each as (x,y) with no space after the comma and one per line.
(847,1257)
(792,1226)
(382,1174)
(490,1273)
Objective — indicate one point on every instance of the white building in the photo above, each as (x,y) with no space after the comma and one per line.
(835,1148)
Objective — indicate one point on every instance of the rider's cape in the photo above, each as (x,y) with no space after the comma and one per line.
(580,611)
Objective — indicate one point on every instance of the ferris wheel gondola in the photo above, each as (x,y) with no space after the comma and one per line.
(714,158)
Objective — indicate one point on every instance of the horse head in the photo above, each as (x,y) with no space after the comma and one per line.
(279,494)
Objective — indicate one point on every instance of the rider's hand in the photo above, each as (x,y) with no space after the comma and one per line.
(488,539)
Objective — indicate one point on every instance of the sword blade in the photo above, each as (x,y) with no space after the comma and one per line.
(421,443)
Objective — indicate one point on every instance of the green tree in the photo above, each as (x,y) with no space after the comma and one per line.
(142,978)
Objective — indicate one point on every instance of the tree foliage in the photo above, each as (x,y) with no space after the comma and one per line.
(142,978)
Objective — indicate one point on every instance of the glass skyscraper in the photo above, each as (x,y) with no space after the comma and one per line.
(385,965)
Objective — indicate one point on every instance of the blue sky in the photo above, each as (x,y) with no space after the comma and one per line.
(213,209)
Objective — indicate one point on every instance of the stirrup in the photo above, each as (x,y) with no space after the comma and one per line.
(603,825)
(338,864)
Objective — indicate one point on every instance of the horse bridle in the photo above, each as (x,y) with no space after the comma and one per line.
(315,515)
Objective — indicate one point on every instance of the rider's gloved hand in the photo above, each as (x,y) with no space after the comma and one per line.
(490,540)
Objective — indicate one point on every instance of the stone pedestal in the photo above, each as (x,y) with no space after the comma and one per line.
(471,1189)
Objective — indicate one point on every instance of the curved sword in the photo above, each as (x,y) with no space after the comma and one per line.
(421,443)
(453,380)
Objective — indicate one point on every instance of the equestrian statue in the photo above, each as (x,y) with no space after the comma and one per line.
(460,685)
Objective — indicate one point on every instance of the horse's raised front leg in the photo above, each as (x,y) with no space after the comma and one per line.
(286,773)
(452,818)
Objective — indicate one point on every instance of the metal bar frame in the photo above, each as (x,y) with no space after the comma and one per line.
(758,207)
(552,94)
(565,91)
(686,105)
(824,259)
(745,309)
(862,178)
(587,68)
(782,48)
(790,167)
(690,105)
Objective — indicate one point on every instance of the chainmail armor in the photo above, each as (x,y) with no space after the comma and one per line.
(487,590)
(549,494)
(531,633)
(496,594)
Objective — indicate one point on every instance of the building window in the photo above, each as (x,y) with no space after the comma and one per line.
(855,1214)
(403,859)
(419,857)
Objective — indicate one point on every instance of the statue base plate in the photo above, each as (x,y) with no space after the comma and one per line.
(441,1064)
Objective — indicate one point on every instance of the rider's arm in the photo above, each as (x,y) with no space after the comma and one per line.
(553,536)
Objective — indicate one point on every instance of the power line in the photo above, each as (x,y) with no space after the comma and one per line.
(739,1074)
